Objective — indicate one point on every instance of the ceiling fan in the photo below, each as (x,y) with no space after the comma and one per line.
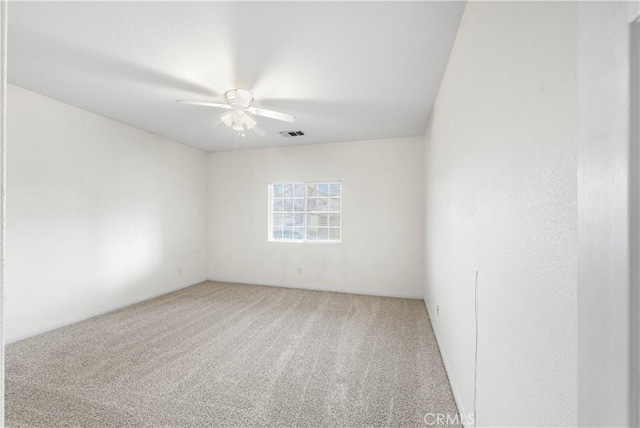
(240,116)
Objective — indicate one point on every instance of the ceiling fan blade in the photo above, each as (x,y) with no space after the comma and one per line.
(205,103)
(259,130)
(272,114)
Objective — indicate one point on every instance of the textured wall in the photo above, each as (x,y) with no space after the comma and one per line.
(101,214)
(501,185)
(381,252)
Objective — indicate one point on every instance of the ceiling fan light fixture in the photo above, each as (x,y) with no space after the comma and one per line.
(249,121)
(238,120)
(227,118)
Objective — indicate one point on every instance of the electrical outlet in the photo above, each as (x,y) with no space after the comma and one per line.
(179,271)
(299,271)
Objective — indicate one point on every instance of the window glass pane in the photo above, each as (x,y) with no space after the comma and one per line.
(323,233)
(306,211)
(312,219)
(287,233)
(334,234)
(312,204)
(277,233)
(312,190)
(287,219)
(323,190)
(312,233)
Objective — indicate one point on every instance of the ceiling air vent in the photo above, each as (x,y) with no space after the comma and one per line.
(292,133)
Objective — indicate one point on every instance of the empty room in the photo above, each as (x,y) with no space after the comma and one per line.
(320,214)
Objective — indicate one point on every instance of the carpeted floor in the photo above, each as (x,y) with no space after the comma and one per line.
(218,354)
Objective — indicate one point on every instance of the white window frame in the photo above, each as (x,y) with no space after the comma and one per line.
(304,240)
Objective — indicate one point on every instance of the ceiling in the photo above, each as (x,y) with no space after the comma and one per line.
(348,71)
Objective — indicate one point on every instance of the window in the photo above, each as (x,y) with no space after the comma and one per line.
(305,212)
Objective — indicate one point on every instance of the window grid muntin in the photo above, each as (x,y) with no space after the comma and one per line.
(329,232)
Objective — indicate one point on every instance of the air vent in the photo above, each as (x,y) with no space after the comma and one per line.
(292,133)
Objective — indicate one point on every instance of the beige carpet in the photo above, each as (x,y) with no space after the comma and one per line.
(219,354)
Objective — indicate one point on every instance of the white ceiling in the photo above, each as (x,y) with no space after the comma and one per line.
(348,70)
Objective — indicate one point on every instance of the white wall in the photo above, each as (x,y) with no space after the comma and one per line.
(608,360)
(3,137)
(501,185)
(382,217)
(100,214)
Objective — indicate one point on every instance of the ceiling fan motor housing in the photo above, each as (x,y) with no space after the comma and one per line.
(239,98)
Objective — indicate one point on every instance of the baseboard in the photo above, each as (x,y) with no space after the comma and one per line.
(67,321)
(320,288)
(85,316)
(456,394)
